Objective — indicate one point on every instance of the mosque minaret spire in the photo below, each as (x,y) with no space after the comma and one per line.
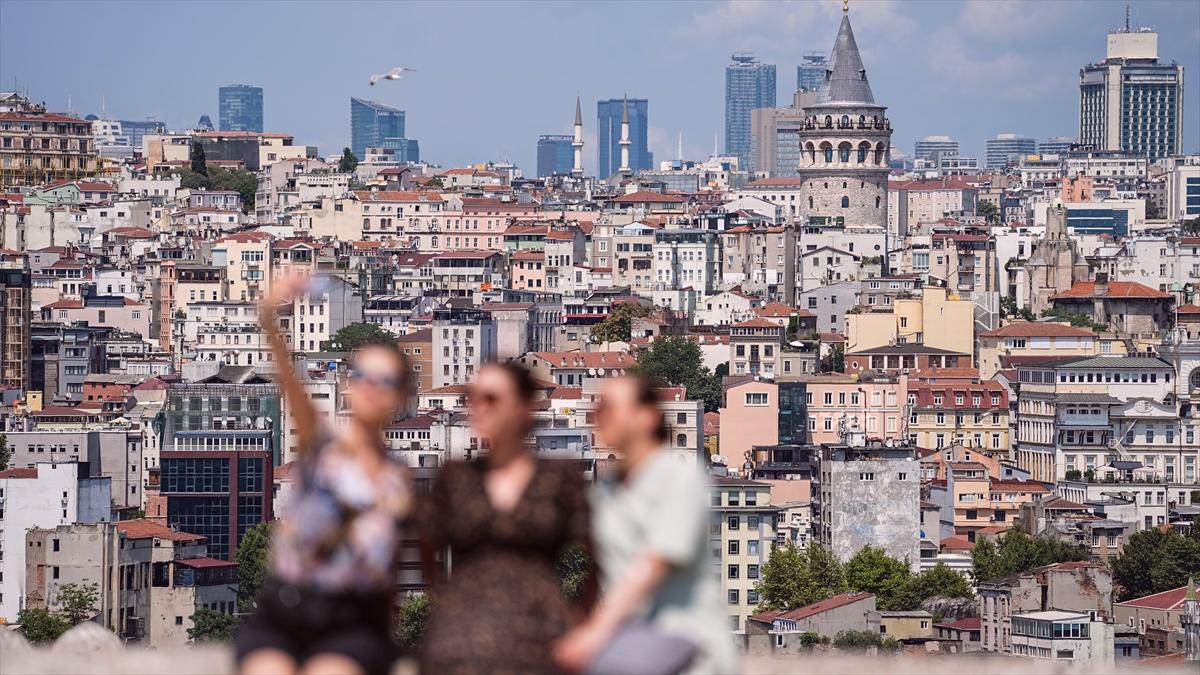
(577,143)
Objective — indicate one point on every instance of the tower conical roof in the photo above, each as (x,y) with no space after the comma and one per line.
(846,80)
(578,113)
(625,111)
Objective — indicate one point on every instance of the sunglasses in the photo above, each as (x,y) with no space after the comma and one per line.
(373,379)
(488,398)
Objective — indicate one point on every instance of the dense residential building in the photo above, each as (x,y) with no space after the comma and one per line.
(16,324)
(742,537)
(931,147)
(1130,101)
(37,146)
(240,108)
(749,85)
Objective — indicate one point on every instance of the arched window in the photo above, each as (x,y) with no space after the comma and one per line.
(877,202)
(845,202)
(862,119)
(862,154)
(828,121)
(810,202)
(843,185)
(681,440)
(845,121)
(828,154)
(844,153)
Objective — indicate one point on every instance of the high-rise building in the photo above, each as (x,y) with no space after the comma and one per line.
(749,85)
(37,146)
(1005,149)
(844,144)
(775,139)
(811,73)
(16,318)
(1131,102)
(371,123)
(608,135)
(1056,145)
(136,129)
(555,154)
(931,147)
(240,108)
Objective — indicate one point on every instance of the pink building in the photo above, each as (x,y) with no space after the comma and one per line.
(750,417)
(876,404)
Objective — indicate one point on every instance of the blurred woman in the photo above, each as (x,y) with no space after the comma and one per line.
(327,604)
(651,544)
(505,519)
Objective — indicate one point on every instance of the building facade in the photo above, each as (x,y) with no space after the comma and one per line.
(555,154)
(749,85)
(371,123)
(608,135)
(240,108)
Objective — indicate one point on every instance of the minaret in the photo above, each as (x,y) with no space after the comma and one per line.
(625,138)
(577,170)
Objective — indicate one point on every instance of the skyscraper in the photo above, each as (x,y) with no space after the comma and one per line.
(371,124)
(749,85)
(240,108)
(1005,148)
(1056,145)
(608,135)
(811,73)
(1130,101)
(932,146)
(555,154)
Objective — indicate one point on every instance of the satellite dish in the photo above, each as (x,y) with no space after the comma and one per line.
(715,459)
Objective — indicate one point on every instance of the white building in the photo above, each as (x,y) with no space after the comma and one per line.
(1063,636)
(47,495)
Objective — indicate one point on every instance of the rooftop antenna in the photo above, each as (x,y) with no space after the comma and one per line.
(1127,5)
(680,151)
(715,144)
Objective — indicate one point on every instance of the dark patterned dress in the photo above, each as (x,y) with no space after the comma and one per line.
(503,603)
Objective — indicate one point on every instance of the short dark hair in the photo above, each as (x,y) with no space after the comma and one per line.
(645,392)
(523,381)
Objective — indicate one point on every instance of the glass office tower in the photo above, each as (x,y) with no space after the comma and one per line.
(241,108)
(608,134)
(748,85)
(371,124)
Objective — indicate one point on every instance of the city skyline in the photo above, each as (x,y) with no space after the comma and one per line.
(1019,61)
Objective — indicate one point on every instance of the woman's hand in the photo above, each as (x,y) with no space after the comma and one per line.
(284,289)
(576,650)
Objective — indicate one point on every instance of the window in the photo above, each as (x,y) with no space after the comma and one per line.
(734,522)
(756,398)
(733,596)
(866,476)
(751,571)
(733,572)
(733,547)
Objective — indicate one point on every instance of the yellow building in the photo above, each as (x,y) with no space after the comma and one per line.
(744,521)
(1028,338)
(246,259)
(969,414)
(934,319)
(39,147)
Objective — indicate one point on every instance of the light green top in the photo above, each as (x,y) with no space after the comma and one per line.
(663,509)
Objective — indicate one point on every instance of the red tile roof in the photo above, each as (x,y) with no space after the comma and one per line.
(398,196)
(64,304)
(800,613)
(18,473)
(957,542)
(756,323)
(205,562)
(648,197)
(1116,289)
(1038,329)
(1172,599)
(969,623)
(142,528)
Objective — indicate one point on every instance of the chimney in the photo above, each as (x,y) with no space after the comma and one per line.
(1101,283)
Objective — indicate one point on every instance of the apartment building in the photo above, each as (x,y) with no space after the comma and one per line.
(1081,586)
(37,146)
(756,347)
(1038,339)
(873,404)
(742,538)
(463,338)
(968,414)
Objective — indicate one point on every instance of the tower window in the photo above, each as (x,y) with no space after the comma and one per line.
(829,155)
(845,202)
(810,202)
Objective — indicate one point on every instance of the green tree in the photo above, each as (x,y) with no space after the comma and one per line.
(41,626)
(348,162)
(78,602)
(574,569)
(872,570)
(675,360)
(1152,210)
(209,625)
(5,453)
(412,621)
(1154,561)
(356,335)
(617,326)
(199,161)
(857,640)
(192,180)
(1015,551)
(987,211)
(1192,226)
(810,640)
(244,182)
(435,183)
(251,558)
(938,581)
(835,360)
(1075,318)
(794,578)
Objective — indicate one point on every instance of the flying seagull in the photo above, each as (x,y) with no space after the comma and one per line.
(393,74)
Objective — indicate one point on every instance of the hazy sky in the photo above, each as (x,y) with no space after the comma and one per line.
(494,75)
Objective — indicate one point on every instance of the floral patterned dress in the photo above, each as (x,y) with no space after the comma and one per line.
(503,603)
